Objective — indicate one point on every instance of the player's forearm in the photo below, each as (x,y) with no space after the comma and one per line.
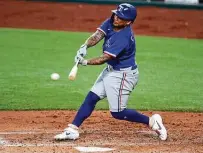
(94,38)
(98,60)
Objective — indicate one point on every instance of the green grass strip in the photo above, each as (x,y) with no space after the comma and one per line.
(171,72)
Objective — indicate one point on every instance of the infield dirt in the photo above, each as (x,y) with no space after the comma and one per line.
(33,131)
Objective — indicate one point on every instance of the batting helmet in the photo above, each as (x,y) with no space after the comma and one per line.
(126,11)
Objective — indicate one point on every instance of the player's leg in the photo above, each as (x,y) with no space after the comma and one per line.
(118,91)
(86,108)
(131,115)
(71,132)
(154,122)
(97,92)
(118,86)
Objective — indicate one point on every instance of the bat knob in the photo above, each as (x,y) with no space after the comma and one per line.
(71,78)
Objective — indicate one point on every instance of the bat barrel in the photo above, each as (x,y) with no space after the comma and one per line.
(73,72)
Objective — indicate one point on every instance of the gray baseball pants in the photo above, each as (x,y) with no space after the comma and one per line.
(116,86)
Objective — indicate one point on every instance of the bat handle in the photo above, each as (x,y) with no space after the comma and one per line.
(77,63)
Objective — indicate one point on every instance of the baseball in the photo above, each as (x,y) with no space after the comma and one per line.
(55,76)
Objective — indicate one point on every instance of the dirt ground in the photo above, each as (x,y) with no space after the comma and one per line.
(84,17)
(33,131)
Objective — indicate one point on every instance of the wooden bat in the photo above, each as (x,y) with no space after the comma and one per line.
(73,72)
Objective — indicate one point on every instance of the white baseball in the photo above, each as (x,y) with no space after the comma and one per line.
(55,76)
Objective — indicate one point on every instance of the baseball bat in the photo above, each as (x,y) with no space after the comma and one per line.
(73,72)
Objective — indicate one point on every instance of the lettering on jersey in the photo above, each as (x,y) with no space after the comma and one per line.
(108,43)
(132,38)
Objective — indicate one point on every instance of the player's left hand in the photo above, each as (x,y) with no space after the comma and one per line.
(81,60)
(82,51)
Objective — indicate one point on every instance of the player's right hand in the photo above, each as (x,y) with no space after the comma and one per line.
(82,51)
(80,60)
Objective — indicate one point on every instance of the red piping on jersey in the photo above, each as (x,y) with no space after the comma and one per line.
(114,56)
(101,31)
(120,91)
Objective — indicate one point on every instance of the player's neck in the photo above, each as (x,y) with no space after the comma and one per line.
(117,29)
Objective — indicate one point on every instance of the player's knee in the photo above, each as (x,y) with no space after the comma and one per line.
(118,115)
(91,98)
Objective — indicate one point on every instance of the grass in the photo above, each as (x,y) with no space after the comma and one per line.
(171,73)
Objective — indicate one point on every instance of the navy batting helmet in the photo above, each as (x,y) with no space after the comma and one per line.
(126,11)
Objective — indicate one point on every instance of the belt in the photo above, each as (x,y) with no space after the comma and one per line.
(110,68)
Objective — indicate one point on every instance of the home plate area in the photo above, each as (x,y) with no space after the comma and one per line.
(34,131)
(31,141)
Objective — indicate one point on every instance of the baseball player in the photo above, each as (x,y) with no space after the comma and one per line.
(118,79)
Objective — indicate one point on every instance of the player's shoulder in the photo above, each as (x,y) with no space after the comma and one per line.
(127,32)
(107,21)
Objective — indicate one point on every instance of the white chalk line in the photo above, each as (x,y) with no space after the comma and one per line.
(6,143)
(38,145)
(30,132)
(55,131)
(83,149)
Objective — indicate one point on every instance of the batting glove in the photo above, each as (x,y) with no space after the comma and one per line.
(82,51)
(80,60)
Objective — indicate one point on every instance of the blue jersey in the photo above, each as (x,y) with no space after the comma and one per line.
(120,45)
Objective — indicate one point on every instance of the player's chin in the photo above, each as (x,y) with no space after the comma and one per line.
(115,24)
(118,26)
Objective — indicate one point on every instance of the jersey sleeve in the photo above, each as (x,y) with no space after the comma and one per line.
(115,47)
(104,26)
